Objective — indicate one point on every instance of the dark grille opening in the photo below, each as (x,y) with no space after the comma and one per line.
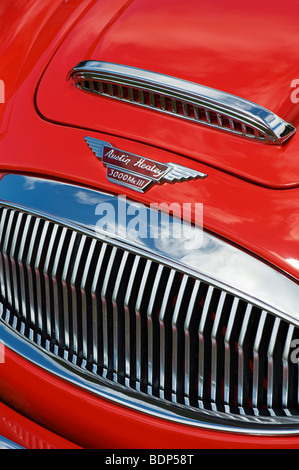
(143,324)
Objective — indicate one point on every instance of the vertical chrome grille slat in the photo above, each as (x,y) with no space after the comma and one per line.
(201,353)
(285,363)
(105,310)
(6,257)
(174,325)
(270,356)
(30,268)
(76,299)
(48,256)
(214,362)
(227,351)
(241,359)
(115,309)
(95,304)
(256,360)
(22,269)
(187,334)
(38,274)
(128,318)
(55,287)
(84,294)
(65,290)
(150,324)
(2,233)
(162,330)
(14,260)
(138,321)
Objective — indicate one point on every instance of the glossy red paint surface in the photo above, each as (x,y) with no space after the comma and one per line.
(27,434)
(223,45)
(49,141)
(95,423)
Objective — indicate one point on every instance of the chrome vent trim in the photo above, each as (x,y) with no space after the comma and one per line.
(137,327)
(183,99)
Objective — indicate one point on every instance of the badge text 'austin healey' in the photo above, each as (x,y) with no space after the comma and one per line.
(136,172)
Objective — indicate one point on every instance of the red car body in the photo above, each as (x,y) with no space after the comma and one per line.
(250,196)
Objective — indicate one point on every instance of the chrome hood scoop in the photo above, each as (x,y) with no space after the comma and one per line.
(182,99)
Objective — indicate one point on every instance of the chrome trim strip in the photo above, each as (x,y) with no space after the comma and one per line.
(274,129)
(8,444)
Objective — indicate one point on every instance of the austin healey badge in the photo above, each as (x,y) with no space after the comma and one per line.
(136,172)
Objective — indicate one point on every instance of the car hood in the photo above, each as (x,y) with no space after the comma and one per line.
(248,50)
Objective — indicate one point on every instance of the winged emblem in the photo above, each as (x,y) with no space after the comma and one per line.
(136,172)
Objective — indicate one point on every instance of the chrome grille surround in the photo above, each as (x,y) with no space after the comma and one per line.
(183,99)
(191,348)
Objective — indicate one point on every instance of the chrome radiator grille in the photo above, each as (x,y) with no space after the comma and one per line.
(142,324)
